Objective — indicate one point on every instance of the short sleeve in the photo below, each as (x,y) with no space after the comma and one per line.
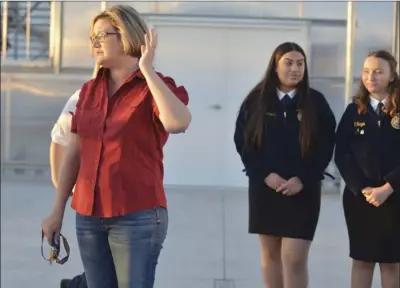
(179,92)
(60,133)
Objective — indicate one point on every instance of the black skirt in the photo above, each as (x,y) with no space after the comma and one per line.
(374,232)
(274,214)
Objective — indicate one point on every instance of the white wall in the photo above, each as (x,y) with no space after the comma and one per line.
(374,19)
(218,63)
(374,27)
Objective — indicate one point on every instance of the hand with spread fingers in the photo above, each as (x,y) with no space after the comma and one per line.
(377,196)
(148,51)
(291,187)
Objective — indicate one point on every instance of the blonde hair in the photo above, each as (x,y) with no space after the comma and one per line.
(129,24)
(362,97)
(95,70)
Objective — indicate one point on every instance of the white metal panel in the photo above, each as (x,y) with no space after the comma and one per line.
(248,53)
(195,57)
(218,63)
(75,33)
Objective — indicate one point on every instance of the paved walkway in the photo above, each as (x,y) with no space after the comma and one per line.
(207,240)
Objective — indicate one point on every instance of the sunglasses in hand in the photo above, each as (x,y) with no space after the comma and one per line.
(55,250)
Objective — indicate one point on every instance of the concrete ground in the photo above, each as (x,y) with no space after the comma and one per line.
(207,240)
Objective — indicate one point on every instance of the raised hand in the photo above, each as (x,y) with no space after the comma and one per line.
(148,51)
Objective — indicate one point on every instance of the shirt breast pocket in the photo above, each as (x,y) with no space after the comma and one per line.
(89,121)
(134,105)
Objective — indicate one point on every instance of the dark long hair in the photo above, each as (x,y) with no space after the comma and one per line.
(263,98)
(361,99)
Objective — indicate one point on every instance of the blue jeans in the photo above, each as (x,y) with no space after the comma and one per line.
(122,252)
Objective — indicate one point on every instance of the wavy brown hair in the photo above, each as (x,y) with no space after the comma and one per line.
(263,98)
(361,99)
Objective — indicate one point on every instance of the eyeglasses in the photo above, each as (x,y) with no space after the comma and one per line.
(55,250)
(101,36)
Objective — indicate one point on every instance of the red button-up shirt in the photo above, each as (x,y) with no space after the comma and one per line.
(121,143)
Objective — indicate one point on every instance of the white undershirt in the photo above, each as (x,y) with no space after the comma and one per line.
(282,94)
(61,131)
(375,102)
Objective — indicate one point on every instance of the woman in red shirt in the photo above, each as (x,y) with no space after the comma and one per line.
(121,123)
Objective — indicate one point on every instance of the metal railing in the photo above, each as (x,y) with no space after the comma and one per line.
(396,33)
(25,30)
(32,33)
(26,130)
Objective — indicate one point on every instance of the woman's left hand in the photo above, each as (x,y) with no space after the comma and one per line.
(377,196)
(148,51)
(291,187)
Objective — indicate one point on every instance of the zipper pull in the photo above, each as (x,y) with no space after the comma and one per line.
(284,114)
(379,123)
